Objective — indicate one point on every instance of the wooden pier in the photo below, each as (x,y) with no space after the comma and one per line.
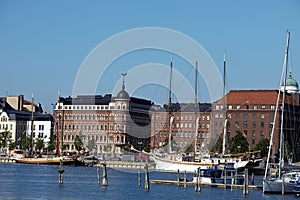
(217,185)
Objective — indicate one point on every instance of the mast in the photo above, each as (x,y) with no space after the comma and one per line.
(224,107)
(170,118)
(281,148)
(32,128)
(196,110)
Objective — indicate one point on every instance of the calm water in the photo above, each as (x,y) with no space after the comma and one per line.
(18,181)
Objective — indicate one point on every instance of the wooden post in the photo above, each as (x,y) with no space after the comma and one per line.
(184,184)
(252,178)
(282,185)
(60,171)
(246,185)
(198,178)
(98,174)
(139,177)
(225,177)
(104,176)
(232,181)
(178,178)
(147,185)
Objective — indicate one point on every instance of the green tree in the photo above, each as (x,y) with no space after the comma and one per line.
(262,146)
(51,144)
(39,144)
(12,145)
(238,144)
(26,142)
(147,148)
(217,148)
(5,138)
(78,142)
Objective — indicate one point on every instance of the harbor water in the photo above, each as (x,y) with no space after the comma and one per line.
(21,181)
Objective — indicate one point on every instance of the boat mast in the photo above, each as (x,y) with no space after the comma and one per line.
(32,128)
(224,107)
(196,110)
(170,119)
(281,148)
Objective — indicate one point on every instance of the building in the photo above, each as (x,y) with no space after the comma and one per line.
(105,123)
(181,122)
(252,113)
(16,116)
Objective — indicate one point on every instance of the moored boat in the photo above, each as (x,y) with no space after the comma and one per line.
(46,160)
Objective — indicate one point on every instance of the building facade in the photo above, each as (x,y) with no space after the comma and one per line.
(252,113)
(187,125)
(105,123)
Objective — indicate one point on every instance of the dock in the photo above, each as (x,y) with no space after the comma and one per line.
(217,185)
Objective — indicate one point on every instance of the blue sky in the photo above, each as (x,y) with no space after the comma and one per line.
(44,43)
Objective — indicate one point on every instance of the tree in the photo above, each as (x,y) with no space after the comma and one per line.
(262,146)
(238,144)
(51,144)
(5,138)
(12,145)
(217,148)
(78,142)
(39,144)
(26,143)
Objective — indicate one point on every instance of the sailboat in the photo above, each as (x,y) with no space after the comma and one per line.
(275,179)
(174,162)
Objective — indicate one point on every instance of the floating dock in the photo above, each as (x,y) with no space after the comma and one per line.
(217,185)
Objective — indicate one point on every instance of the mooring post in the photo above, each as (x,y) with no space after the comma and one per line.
(225,176)
(184,184)
(252,178)
(196,184)
(199,183)
(60,171)
(178,177)
(246,185)
(104,176)
(147,185)
(98,174)
(232,181)
(139,177)
(282,185)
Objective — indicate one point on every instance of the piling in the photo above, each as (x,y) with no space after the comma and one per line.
(225,177)
(147,185)
(98,173)
(104,176)
(252,178)
(198,178)
(196,184)
(178,178)
(139,177)
(60,171)
(232,181)
(246,185)
(282,185)
(184,183)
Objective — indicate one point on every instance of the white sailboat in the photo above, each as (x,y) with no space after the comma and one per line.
(174,162)
(275,179)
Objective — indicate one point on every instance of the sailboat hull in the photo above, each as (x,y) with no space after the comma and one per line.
(275,186)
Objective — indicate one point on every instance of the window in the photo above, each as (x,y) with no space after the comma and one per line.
(253,124)
(263,107)
(262,124)
(262,116)
(237,115)
(245,124)
(254,107)
(272,107)
(229,107)
(254,116)
(245,115)
(271,116)
(238,107)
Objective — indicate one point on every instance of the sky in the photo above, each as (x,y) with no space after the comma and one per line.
(45,44)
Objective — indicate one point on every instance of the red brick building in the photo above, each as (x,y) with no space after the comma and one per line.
(252,112)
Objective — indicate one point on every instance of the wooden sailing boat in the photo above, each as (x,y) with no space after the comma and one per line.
(275,179)
(172,162)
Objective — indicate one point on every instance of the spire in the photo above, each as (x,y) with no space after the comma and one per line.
(123,86)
